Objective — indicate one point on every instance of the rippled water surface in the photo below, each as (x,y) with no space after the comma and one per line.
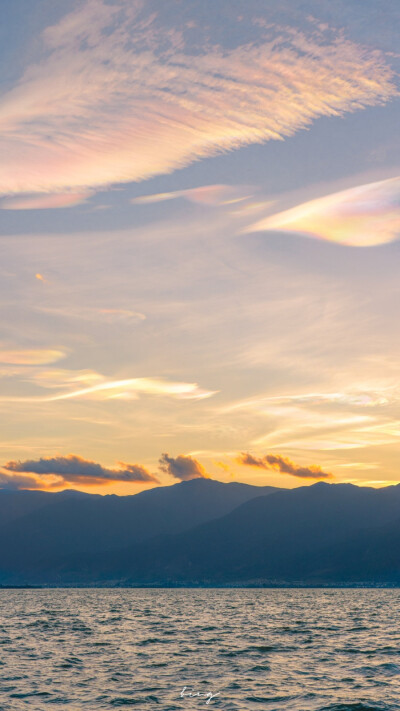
(256,649)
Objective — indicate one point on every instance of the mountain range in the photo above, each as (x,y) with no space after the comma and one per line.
(202,532)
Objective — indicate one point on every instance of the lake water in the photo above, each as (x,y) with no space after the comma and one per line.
(257,649)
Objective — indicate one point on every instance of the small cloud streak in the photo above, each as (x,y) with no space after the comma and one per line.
(182,467)
(282,465)
(45,202)
(55,472)
(123,314)
(363,216)
(114,97)
(37,356)
(212,195)
(87,313)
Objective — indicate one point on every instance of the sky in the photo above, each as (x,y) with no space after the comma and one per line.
(199,243)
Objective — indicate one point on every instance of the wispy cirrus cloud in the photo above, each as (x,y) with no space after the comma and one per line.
(114,97)
(182,467)
(361,397)
(362,216)
(97,387)
(282,465)
(55,472)
(132,387)
(357,418)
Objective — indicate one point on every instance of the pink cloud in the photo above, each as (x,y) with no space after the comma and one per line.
(114,98)
(362,216)
(213,195)
(45,202)
(34,356)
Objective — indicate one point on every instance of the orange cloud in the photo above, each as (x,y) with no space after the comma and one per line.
(223,465)
(182,467)
(363,216)
(114,98)
(282,465)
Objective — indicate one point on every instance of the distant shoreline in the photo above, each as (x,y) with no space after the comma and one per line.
(203,534)
(249,586)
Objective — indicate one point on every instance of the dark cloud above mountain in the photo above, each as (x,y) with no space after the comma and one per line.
(18,481)
(282,465)
(182,467)
(70,470)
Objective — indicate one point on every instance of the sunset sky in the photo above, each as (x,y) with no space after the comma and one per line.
(199,225)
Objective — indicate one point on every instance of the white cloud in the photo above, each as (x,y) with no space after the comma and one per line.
(99,388)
